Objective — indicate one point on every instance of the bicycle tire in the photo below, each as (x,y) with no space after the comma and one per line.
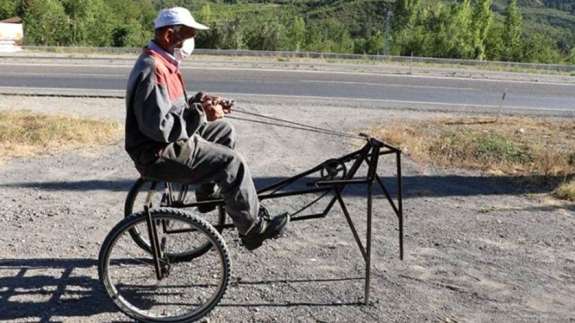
(121,260)
(216,218)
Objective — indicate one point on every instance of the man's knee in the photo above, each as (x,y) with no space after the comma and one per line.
(229,135)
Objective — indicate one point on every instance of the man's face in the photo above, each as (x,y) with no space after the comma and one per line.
(177,34)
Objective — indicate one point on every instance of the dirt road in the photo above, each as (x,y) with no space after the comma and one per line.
(478,248)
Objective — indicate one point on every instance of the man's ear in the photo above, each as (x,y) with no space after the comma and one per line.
(169,36)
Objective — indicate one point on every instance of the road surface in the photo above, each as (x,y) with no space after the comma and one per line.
(377,87)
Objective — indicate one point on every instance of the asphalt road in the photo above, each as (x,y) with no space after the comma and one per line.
(546,97)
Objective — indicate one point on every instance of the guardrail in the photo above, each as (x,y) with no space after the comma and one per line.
(322,55)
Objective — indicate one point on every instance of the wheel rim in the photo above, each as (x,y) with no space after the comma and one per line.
(189,291)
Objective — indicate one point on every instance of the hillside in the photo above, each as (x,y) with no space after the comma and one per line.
(447,28)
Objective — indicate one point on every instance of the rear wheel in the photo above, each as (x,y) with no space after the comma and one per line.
(187,291)
(167,194)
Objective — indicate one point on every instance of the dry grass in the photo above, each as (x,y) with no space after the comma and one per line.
(566,191)
(511,145)
(25,133)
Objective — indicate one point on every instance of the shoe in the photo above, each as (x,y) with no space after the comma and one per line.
(207,192)
(266,228)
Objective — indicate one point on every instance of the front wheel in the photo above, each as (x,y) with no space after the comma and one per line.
(187,291)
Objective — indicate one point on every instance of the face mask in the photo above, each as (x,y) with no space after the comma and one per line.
(186,50)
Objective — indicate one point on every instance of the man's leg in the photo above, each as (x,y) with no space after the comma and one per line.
(198,161)
(219,132)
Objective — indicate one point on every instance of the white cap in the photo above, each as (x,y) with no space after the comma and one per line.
(177,16)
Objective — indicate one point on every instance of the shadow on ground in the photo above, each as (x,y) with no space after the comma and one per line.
(42,289)
(414,186)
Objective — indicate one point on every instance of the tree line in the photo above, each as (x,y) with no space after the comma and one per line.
(467,29)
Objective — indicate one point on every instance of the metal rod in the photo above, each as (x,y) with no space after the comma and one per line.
(400,203)
(310,204)
(368,243)
(342,182)
(153,236)
(317,168)
(351,226)
(290,180)
(372,174)
(307,217)
(292,193)
(387,195)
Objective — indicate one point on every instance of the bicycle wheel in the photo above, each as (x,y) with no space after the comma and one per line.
(162,197)
(189,290)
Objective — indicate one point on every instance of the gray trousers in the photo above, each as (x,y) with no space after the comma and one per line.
(209,156)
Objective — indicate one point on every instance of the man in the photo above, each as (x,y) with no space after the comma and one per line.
(173,138)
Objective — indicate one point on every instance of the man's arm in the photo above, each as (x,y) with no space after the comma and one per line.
(156,116)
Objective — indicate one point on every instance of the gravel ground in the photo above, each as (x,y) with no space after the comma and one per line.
(478,248)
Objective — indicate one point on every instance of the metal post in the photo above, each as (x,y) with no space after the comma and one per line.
(400,204)
(372,174)
(368,242)
(153,236)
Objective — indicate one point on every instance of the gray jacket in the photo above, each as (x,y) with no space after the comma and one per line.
(157,106)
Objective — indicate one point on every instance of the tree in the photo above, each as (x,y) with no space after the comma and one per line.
(571,58)
(460,31)
(45,23)
(482,16)
(494,47)
(90,22)
(7,8)
(512,32)
(405,14)
(375,43)
(296,34)
(540,49)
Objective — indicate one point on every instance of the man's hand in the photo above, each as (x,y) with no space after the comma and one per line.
(216,107)
(213,110)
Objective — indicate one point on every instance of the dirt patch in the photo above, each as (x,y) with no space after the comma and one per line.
(478,248)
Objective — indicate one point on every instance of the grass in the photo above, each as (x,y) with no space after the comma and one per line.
(517,146)
(24,133)
(566,191)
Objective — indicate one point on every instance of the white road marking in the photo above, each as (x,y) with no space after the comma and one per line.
(382,84)
(116,93)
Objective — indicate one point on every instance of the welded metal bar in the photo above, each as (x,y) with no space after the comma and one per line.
(317,168)
(154,244)
(310,204)
(342,181)
(400,203)
(368,243)
(387,195)
(387,152)
(351,226)
(292,193)
(261,196)
(307,217)
(372,174)
(289,180)
(390,147)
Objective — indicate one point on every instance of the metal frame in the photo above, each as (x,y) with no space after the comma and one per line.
(334,186)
